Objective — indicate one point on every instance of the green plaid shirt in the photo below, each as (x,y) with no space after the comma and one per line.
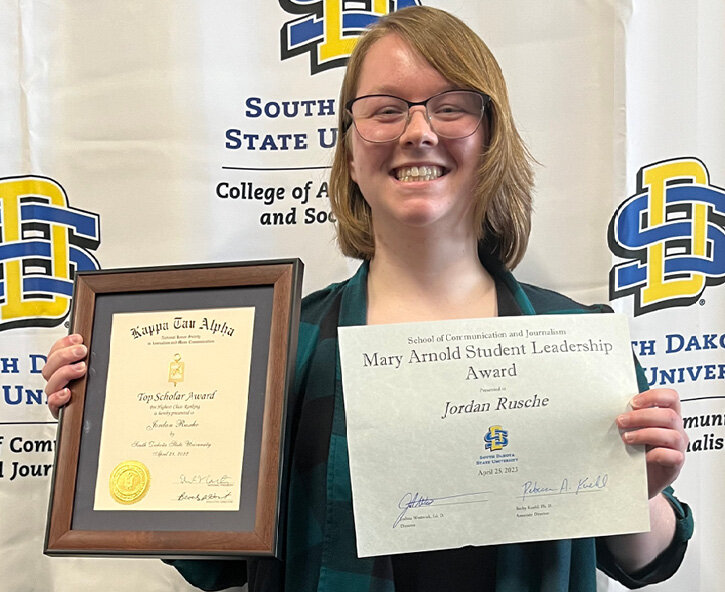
(318,542)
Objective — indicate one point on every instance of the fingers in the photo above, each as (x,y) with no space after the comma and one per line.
(63,375)
(57,400)
(664,417)
(655,426)
(68,340)
(657,398)
(64,364)
(666,438)
(56,389)
(653,408)
(67,350)
(655,422)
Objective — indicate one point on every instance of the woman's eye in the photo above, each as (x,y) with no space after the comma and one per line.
(443,109)
(389,110)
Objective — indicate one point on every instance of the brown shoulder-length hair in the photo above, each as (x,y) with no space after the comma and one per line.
(502,210)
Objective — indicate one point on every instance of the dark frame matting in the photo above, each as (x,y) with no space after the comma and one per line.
(84,518)
(273,288)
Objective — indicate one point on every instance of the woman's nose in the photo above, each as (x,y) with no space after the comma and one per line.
(418,129)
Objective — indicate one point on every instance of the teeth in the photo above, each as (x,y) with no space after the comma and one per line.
(418,173)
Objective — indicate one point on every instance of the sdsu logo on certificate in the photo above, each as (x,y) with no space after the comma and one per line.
(490,431)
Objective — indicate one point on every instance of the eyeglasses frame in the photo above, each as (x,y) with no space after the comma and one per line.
(485,100)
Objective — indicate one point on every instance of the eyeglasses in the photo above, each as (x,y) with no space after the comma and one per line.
(451,114)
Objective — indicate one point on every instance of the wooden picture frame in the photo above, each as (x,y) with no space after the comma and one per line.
(75,526)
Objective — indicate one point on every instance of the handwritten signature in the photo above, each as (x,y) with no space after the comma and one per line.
(201,479)
(577,485)
(416,500)
(203,497)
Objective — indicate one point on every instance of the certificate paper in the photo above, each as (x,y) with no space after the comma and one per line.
(490,431)
(175,411)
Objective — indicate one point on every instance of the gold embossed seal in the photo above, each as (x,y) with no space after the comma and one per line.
(129,482)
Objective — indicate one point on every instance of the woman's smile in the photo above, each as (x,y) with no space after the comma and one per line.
(423,172)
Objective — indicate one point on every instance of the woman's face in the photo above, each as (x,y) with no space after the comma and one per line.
(384,172)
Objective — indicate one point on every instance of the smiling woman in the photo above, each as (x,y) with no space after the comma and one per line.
(429,52)
(431,187)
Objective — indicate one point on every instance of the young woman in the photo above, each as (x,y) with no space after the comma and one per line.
(431,186)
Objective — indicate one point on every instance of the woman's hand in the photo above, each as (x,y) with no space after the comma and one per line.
(656,421)
(64,363)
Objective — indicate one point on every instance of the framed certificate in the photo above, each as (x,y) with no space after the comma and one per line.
(172,444)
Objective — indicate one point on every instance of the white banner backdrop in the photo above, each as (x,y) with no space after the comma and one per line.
(676,162)
(184,132)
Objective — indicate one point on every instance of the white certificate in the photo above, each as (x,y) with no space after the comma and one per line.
(175,410)
(490,431)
